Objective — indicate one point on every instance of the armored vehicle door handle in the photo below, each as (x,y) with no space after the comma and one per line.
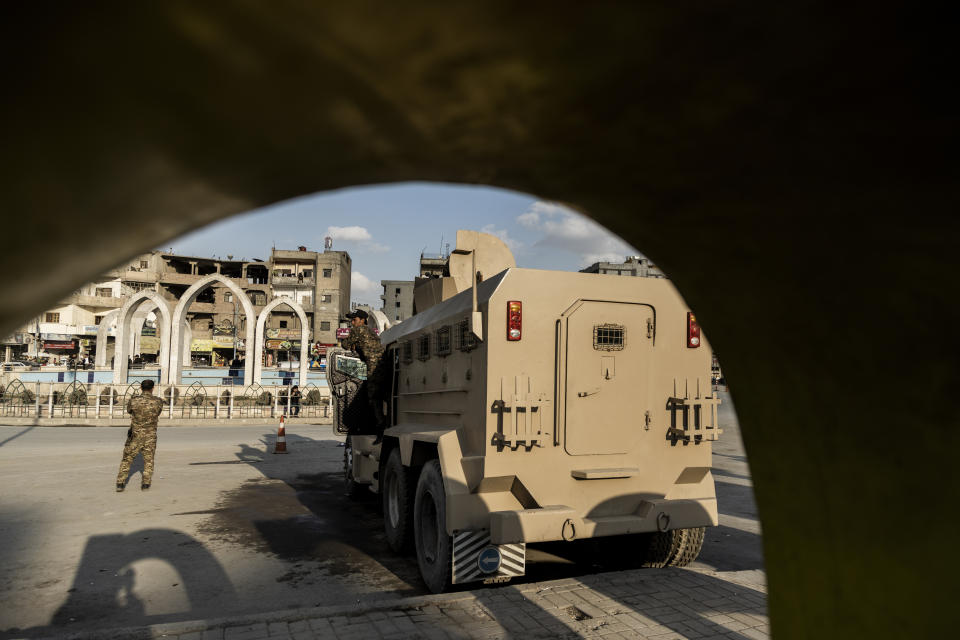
(584,394)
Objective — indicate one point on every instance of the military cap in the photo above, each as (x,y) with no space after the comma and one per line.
(359,313)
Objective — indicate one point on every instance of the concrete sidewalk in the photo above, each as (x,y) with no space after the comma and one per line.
(665,604)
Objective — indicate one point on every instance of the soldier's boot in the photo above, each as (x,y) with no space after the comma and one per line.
(144,486)
(121,486)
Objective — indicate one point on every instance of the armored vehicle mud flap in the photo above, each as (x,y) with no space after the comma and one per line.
(476,559)
(347,377)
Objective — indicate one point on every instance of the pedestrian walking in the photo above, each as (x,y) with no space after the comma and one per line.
(142,435)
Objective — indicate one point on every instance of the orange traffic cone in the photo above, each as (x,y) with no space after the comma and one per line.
(281,446)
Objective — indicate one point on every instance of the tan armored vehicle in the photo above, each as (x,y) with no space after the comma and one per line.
(529,406)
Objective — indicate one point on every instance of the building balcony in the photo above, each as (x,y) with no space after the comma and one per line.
(107,302)
(287,281)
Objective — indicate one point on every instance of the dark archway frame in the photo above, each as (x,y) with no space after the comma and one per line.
(791,165)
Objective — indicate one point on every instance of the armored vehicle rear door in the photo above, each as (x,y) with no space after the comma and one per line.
(347,378)
(608,348)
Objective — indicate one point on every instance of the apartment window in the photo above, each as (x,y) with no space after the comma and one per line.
(283,324)
(138,286)
(398,317)
(104,292)
(327,273)
(308,273)
(324,326)
(51,317)
(398,304)
(227,297)
(307,300)
(326,297)
(397,291)
(98,320)
(144,264)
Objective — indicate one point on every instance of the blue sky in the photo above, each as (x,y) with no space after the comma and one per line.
(384,228)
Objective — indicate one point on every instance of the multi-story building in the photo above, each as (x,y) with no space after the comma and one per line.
(638,266)
(319,282)
(397,299)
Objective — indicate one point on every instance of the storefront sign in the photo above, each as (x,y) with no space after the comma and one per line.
(282,345)
(223,342)
(202,345)
(149,344)
(58,345)
(343,332)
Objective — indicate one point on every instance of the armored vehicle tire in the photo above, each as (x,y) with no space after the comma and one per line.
(351,488)
(397,495)
(676,548)
(434,546)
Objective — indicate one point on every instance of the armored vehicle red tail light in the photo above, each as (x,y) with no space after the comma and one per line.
(514,320)
(693,331)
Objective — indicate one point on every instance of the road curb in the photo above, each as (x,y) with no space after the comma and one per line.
(284,615)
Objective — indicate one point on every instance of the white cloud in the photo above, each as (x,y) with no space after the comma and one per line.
(564,229)
(359,236)
(512,243)
(361,284)
(350,234)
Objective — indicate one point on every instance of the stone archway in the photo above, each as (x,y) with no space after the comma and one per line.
(103,329)
(258,346)
(180,314)
(125,325)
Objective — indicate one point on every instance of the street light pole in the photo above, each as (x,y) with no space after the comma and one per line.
(234,331)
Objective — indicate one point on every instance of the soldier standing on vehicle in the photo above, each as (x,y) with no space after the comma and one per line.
(142,434)
(367,345)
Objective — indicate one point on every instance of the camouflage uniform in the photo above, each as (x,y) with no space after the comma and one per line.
(365,342)
(142,435)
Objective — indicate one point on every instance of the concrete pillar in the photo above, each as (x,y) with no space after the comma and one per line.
(193,268)
(218,267)
(6,354)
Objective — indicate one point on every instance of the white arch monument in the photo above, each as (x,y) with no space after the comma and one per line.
(261,330)
(125,326)
(177,358)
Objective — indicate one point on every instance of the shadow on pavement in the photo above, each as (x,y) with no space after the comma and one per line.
(102,594)
(317,523)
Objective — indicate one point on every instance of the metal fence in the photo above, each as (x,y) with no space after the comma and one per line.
(194,401)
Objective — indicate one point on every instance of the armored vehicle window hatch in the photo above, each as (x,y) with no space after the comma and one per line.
(423,347)
(609,337)
(443,341)
(466,341)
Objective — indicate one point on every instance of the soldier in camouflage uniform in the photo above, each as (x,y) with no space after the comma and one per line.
(142,435)
(367,345)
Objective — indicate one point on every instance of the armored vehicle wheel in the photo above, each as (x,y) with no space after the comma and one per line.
(397,494)
(351,488)
(676,548)
(430,517)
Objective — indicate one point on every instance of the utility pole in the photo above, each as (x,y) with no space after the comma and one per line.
(234,330)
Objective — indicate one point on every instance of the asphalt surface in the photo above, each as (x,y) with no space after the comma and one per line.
(230,529)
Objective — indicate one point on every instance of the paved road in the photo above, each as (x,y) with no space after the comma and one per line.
(229,530)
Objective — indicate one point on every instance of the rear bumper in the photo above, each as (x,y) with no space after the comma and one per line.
(559,522)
